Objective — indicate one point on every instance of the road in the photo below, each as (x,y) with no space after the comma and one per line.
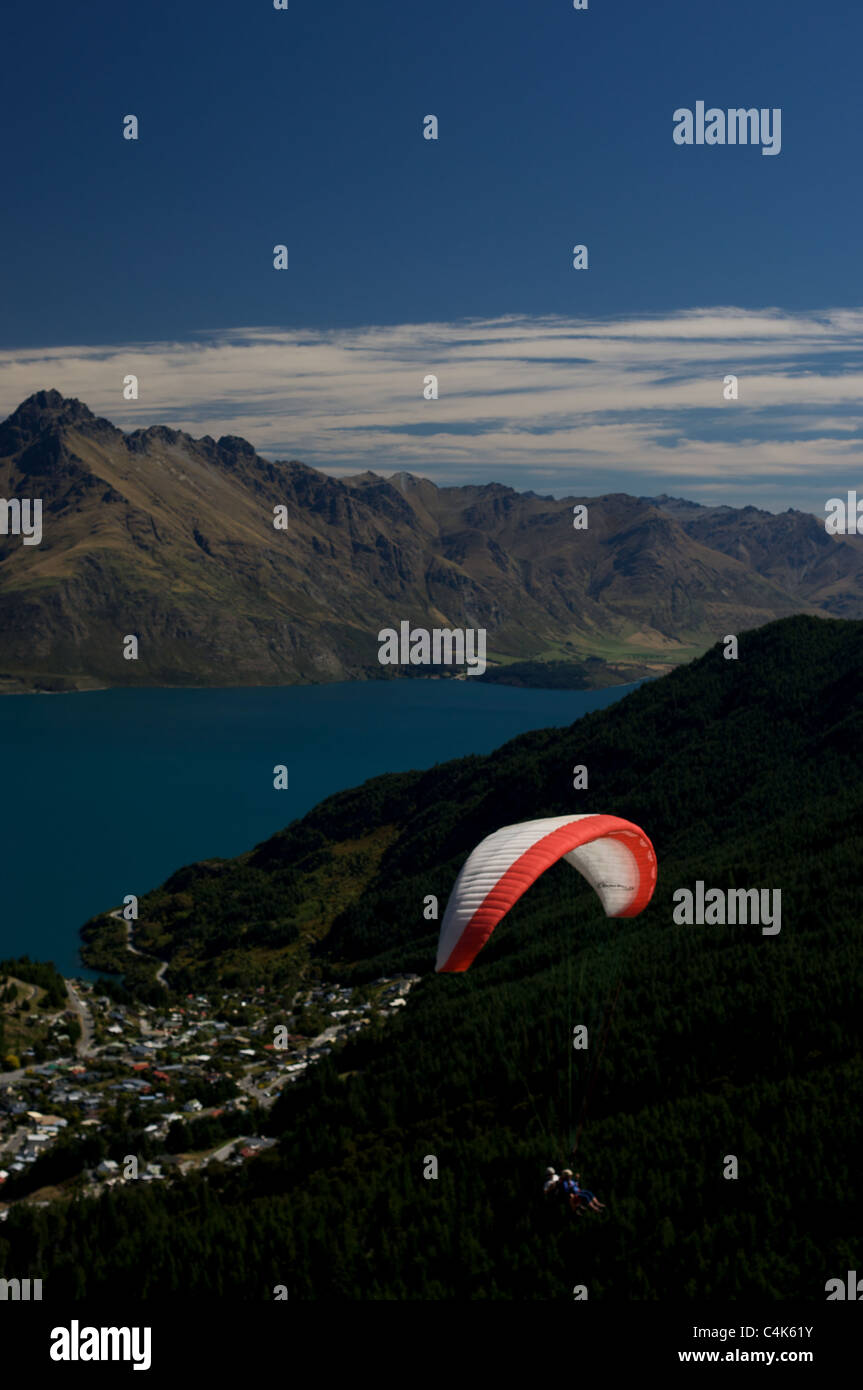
(84,1045)
(163,964)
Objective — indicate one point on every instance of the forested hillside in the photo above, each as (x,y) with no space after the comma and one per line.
(718,1040)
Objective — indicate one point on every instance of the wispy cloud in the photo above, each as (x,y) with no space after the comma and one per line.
(556,404)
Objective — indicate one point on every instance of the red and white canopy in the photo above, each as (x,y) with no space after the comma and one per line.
(615,857)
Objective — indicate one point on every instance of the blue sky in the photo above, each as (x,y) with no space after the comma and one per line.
(305,127)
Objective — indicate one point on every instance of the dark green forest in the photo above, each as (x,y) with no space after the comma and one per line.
(706,1041)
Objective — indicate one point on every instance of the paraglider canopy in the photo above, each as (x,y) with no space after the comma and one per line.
(615,857)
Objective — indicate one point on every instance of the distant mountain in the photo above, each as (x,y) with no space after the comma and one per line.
(169,538)
(792,550)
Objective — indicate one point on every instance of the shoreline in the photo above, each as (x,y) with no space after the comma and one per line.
(319,685)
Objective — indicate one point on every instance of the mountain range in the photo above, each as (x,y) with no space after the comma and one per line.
(171,539)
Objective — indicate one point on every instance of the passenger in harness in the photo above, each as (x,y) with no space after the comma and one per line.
(578,1197)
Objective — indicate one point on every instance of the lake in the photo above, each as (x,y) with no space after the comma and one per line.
(107,793)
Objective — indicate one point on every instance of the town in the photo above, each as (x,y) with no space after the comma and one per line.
(106,1093)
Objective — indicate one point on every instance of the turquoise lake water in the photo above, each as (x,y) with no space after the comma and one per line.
(109,792)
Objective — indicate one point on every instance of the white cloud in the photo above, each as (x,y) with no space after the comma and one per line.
(548,403)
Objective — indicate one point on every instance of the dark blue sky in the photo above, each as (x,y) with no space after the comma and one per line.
(305,127)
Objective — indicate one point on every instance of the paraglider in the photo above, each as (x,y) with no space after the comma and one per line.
(614,855)
(580,1199)
(617,860)
(566,1188)
(552,1181)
